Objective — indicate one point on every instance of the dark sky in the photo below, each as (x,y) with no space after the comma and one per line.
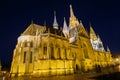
(16,16)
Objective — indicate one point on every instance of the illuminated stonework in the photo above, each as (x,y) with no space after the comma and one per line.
(96,41)
(45,51)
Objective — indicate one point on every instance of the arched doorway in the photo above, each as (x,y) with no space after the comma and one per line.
(77,68)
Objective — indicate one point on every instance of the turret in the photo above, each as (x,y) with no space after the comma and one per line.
(55,24)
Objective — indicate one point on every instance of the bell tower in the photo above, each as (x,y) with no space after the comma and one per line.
(73,21)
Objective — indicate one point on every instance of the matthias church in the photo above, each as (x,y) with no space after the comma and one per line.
(44,51)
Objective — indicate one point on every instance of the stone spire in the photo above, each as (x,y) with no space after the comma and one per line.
(55,24)
(71,11)
(65,29)
(64,24)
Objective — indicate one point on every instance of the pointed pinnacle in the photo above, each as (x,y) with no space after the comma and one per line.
(71,11)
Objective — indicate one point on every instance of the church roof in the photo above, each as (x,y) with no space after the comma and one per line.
(34,29)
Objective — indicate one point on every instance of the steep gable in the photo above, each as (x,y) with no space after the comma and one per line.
(34,29)
(82,32)
(92,34)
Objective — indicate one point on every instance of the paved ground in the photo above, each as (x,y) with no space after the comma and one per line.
(112,76)
(68,77)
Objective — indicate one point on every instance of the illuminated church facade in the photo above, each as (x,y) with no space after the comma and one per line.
(44,51)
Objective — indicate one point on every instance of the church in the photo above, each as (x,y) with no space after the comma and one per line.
(46,51)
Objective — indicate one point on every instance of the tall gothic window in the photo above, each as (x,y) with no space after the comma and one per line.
(24,58)
(31,44)
(85,51)
(52,52)
(25,44)
(73,56)
(65,53)
(31,57)
(58,53)
(86,54)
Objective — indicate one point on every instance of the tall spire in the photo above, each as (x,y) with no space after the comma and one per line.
(55,24)
(65,29)
(73,21)
(64,24)
(71,11)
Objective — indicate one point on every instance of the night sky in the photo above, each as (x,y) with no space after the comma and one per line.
(16,16)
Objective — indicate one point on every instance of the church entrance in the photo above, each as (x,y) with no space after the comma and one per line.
(77,68)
